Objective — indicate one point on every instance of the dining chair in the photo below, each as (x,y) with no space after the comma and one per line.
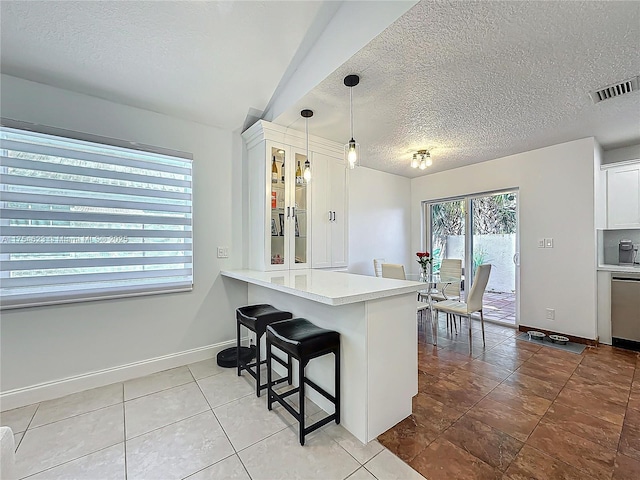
(451,268)
(377,266)
(393,270)
(421,310)
(396,271)
(473,303)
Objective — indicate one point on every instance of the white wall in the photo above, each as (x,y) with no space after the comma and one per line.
(623,154)
(50,343)
(556,200)
(379,220)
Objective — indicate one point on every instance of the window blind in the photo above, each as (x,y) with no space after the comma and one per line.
(84,221)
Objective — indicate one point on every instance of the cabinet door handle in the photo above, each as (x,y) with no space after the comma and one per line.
(329,215)
(293,212)
(288,212)
(334,216)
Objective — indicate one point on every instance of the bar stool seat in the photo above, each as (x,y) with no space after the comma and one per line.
(256,318)
(304,341)
(302,338)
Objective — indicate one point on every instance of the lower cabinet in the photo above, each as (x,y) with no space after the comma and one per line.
(329,215)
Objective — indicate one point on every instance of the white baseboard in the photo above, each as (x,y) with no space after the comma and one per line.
(20,397)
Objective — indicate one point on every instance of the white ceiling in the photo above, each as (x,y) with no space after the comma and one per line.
(204,61)
(474,81)
(470,81)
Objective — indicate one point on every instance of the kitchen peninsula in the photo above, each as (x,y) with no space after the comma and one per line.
(376,319)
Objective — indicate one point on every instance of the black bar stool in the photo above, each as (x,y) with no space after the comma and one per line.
(302,340)
(256,318)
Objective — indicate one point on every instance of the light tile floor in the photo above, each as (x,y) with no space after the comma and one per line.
(199,421)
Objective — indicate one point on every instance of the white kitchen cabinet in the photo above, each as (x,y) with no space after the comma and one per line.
(329,244)
(280,221)
(623,196)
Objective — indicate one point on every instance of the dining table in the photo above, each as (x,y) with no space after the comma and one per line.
(433,280)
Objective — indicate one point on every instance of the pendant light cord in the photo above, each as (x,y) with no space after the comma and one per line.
(351,109)
(306,128)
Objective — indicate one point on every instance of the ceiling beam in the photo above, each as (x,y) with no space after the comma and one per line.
(340,30)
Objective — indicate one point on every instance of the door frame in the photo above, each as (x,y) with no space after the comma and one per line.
(468,240)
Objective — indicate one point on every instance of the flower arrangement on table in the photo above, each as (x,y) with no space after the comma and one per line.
(424,259)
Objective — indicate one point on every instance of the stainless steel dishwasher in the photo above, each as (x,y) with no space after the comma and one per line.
(625,310)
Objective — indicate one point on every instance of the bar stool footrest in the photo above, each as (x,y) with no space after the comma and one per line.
(320,423)
(248,367)
(320,390)
(280,399)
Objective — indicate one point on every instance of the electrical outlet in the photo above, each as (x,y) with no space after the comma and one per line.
(551,314)
(541,243)
(223,252)
(548,243)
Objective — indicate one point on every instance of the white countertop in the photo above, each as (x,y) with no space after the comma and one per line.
(619,268)
(331,288)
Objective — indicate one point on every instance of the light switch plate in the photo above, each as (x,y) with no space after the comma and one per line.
(541,243)
(548,243)
(223,252)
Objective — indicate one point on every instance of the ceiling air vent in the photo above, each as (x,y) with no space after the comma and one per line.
(614,90)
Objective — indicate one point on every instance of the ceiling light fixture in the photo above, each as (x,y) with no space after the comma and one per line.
(307,114)
(351,148)
(421,159)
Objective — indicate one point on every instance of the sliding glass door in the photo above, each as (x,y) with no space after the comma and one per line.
(448,228)
(480,229)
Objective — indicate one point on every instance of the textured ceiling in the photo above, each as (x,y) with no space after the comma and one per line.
(203,61)
(477,81)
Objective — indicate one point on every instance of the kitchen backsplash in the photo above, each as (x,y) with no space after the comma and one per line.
(611,239)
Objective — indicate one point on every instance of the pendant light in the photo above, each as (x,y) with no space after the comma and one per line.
(351,148)
(307,114)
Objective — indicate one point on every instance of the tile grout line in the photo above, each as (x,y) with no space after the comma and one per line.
(76,415)
(460,417)
(571,375)
(542,417)
(69,461)
(27,428)
(441,434)
(235,452)
(579,469)
(163,426)
(99,408)
(588,415)
(213,464)
(625,412)
(158,391)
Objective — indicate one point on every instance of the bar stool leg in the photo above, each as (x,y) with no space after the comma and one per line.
(238,346)
(269,386)
(257,366)
(301,367)
(337,384)
(289,369)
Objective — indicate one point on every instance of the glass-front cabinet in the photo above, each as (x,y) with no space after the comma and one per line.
(288,205)
(280,214)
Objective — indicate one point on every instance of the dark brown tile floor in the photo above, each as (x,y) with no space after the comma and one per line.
(516,410)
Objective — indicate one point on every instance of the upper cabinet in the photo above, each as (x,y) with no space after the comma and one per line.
(623,196)
(329,212)
(282,217)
